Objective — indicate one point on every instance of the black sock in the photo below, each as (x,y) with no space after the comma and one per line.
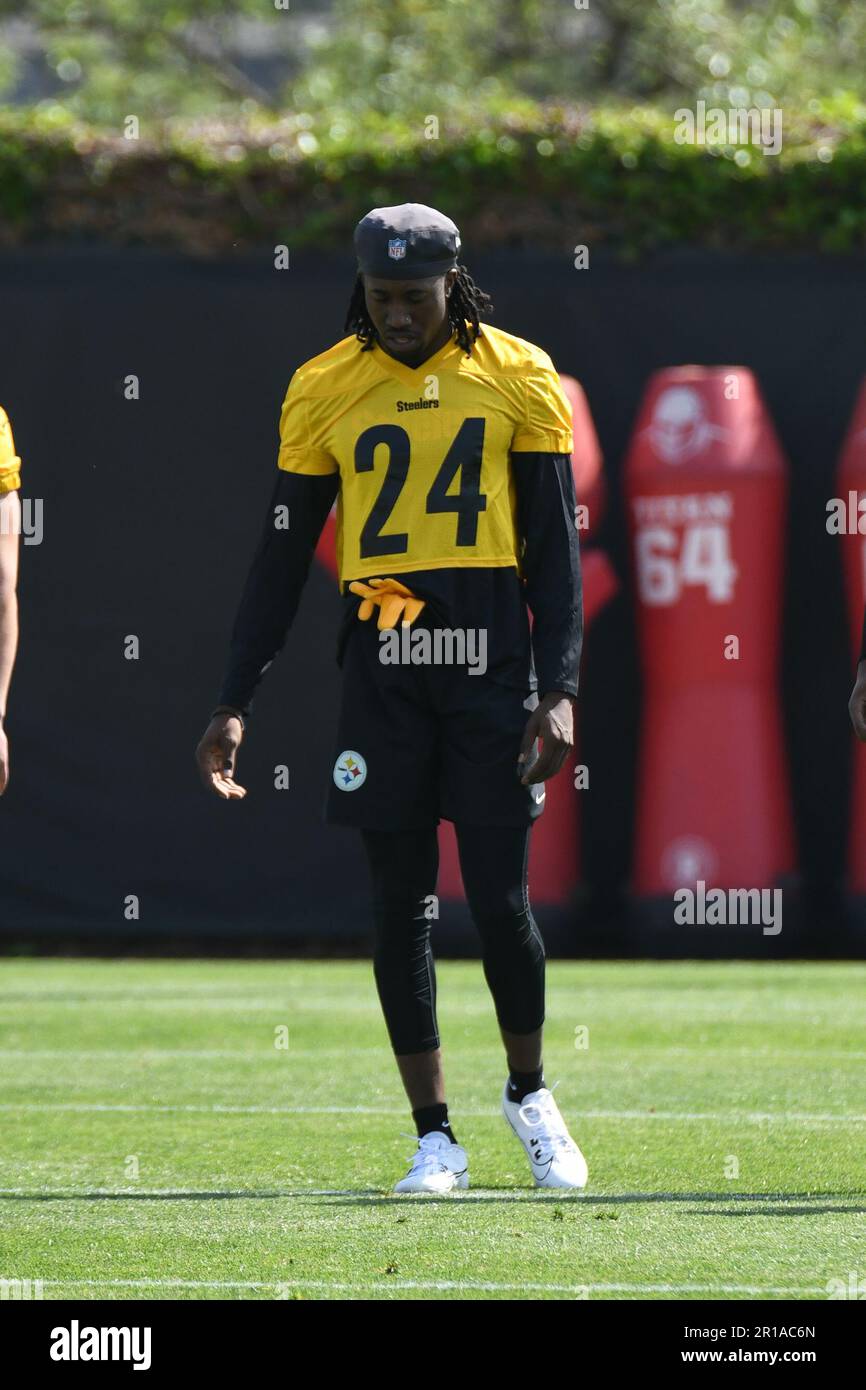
(521,1083)
(431,1117)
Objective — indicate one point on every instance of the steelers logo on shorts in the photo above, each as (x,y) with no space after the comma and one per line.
(350,771)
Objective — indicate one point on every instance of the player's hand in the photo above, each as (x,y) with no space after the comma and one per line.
(552,722)
(216,756)
(4,760)
(857,703)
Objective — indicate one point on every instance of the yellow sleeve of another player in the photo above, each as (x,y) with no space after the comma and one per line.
(10,464)
(300,452)
(546,424)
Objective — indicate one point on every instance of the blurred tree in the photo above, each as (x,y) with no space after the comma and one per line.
(167,57)
(409,58)
(411,55)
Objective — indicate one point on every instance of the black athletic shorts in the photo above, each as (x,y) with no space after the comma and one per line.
(417,743)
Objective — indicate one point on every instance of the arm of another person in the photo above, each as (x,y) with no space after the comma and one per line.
(10,529)
(10,526)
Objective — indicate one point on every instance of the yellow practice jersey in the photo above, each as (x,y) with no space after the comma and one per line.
(10,465)
(423,452)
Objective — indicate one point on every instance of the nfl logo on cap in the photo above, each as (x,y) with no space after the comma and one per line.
(397,248)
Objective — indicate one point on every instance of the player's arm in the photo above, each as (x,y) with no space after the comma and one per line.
(546,513)
(267,609)
(857,702)
(10,526)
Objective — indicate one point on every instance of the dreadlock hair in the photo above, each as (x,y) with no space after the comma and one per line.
(465,304)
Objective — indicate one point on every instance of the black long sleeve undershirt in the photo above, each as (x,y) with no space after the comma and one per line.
(275,581)
(546,508)
(493,598)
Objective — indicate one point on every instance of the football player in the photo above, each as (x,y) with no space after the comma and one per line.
(447,447)
(10,527)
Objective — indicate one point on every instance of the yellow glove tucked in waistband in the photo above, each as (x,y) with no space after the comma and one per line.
(392,598)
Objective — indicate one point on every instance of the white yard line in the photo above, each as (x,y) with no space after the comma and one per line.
(378,1194)
(697,1116)
(561,1001)
(267,1053)
(438,1286)
(599,1054)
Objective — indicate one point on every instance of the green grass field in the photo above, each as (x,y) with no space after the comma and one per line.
(154,1142)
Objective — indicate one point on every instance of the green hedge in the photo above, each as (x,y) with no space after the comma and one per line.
(548,177)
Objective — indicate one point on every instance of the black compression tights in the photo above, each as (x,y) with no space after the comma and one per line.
(404,864)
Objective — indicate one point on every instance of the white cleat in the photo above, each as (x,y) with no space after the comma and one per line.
(555,1159)
(438,1166)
